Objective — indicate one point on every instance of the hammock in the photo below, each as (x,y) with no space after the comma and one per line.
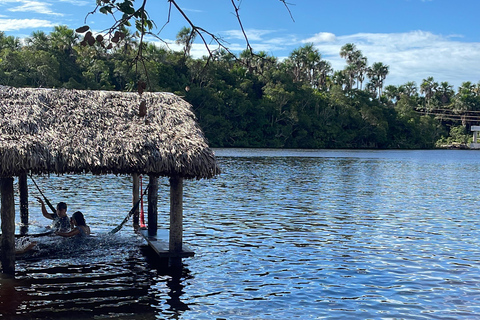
(130,213)
(117,228)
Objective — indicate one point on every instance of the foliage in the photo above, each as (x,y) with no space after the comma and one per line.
(254,100)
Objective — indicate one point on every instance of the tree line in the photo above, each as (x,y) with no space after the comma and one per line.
(254,99)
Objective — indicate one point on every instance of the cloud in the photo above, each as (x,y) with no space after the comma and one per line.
(321,37)
(33,6)
(77,2)
(411,56)
(19,24)
(252,34)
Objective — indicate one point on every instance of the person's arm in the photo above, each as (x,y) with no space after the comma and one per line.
(44,210)
(68,234)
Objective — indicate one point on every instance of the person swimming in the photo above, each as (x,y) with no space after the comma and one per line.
(79,226)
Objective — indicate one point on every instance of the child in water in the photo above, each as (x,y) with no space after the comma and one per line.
(79,226)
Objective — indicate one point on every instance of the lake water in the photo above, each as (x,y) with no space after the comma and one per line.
(291,234)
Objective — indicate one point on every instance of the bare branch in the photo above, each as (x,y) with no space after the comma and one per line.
(237,14)
(144,25)
(288,9)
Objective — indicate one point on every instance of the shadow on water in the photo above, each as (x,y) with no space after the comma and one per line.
(101,277)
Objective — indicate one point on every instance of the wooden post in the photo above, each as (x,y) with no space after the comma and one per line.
(7,213)
(176,214)
(23,190)
(152,206)
(136,197)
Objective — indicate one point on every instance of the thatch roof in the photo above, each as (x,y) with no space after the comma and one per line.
(45,131)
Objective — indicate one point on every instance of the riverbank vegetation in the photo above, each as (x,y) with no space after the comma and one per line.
(256,100)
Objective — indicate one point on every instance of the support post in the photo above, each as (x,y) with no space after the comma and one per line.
(23,190)
(176,214)
(7,213)
(152,205)
(136,197)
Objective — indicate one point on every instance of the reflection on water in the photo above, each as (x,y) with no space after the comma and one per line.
(280,235)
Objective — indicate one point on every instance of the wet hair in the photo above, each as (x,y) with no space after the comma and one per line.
(78,216)
(61,205)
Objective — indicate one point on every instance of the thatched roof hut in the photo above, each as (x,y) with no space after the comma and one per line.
(44,131)
(62,131)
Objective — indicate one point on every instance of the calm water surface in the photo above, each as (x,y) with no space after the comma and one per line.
(279,235)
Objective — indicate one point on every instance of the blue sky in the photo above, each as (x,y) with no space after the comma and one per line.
(416,38)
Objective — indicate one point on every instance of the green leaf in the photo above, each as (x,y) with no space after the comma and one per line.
(149,24)
(106,9)
(126,7)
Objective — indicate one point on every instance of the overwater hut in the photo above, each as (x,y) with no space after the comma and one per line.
(58,131)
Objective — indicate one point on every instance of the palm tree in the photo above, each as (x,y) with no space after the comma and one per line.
(356,64)
(348,52)
(444,93)
(39,40)
(186,37)
(410,89)
(63,39)
(9,42)
(323,70)
(361,69)
(377,74)
(466,100)
(340,79)
(428,88)
(307,65)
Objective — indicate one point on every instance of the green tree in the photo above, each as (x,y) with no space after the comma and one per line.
(9,42)
(377,74)
(428,88)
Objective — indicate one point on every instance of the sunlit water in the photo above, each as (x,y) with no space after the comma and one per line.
(279,235)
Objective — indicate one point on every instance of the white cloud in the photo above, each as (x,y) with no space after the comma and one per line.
(321,37)
(33,6)
(78,2)
(252,34)
(412,56)
(19,24)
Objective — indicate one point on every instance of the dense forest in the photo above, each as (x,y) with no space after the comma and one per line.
(253,99)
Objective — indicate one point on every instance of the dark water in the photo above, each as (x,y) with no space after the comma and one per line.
(279,235)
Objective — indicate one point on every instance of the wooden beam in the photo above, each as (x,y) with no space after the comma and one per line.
(7,213)
(135,197)
(152,205)
(176,214)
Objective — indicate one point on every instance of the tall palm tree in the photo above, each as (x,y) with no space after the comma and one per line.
(361,69)
(428,88)
(348,51)
(356,64)
(377,74)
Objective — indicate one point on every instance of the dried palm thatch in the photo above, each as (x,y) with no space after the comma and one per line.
(46,131)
